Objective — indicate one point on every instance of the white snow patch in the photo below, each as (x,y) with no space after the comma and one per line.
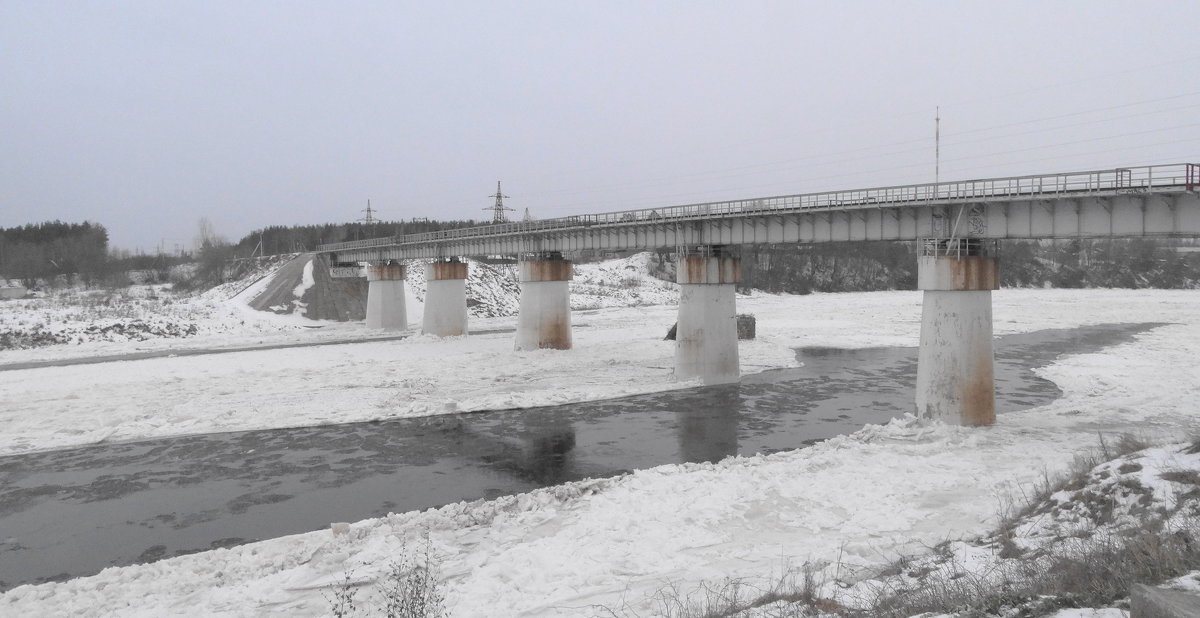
(306,282)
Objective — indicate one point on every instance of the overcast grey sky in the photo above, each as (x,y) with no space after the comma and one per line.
(146,116)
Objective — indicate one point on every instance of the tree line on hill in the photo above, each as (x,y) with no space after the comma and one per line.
(41,251)
(215,258)
(52,250)
(278,239)
(214,254)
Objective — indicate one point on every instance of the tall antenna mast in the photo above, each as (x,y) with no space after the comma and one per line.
(498,210)
(937,143)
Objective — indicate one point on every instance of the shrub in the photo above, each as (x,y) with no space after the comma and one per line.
(341,599)
(410,589)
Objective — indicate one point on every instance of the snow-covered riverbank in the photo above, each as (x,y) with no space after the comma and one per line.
(618,351)
(856,499)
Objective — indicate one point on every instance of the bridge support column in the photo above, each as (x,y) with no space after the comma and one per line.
(385,297)
(706,343)
(955,380)
(544,316)
(445,299)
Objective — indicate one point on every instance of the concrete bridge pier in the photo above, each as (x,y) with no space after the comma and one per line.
(445,299)
(544,315)
(706,343)
(385,297)
(955,380)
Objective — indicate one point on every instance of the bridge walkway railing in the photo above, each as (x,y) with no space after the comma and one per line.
(1182,176)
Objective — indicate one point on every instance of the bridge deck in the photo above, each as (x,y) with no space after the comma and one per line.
(707,222)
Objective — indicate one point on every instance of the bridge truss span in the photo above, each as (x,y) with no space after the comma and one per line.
(1135,201)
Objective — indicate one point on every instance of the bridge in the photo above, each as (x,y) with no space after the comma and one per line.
(957,224)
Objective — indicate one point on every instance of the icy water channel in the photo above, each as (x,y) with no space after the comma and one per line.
(73,512)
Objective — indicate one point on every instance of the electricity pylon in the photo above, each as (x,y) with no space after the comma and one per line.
(498,210)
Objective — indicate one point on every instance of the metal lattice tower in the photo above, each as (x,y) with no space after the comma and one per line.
(370,218)
(498,210)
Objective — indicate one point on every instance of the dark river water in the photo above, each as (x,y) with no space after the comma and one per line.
(73,512)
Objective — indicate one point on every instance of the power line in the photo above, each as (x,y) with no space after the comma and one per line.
(1009,135)
(729,172)
(685,197)
(823,159)
(1082,112)
(1062,84)
(1108,75)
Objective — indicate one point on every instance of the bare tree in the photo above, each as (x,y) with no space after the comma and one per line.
(207,236)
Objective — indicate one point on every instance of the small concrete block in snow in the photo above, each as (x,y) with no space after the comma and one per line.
(746,325)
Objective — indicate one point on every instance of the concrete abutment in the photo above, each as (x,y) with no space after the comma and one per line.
(445,299)
(955,377)
(385,297)
(706,344)
(544,314)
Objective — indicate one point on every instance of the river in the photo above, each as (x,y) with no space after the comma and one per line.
(73,512)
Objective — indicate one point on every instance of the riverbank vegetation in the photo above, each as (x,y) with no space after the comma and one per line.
(411,588)
(1126,514)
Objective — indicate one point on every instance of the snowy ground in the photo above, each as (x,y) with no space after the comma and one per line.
(74,323)
(851,502)
(1091,511)
(617,352)
(623,282)
(142,318)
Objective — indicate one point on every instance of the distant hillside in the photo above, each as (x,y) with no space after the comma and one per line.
(300,238)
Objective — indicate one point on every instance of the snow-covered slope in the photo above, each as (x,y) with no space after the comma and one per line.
(73,322)
(493,290)
(1125,517)
(70,322)
(624,282)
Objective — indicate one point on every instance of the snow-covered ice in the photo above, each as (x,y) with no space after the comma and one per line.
(618,352)
(561,551)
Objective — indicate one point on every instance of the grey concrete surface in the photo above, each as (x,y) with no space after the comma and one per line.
(339,299)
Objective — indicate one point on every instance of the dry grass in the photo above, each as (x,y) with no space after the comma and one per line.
(796,594)
(410,589)
(1093,567)
(1194,445)
(1074,479)
(1093,573)
(1183,477)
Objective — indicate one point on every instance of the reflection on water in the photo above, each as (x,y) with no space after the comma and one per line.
(73,512)
(710,432)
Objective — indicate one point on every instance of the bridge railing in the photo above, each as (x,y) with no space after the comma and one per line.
(958,247)
(1185,176)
